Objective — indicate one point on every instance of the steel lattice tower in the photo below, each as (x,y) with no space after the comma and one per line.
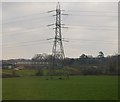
(58,55)
(57,50)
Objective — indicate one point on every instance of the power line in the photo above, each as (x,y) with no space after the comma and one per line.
(82,40)
(30,19)
(89,28)
(94,25)
(91,44)
(19,17)
(28,41)
(25,44)
(51,43)
(91,11)
(70,26)
(23,30)
(70,40)
(90,40)
(92,15)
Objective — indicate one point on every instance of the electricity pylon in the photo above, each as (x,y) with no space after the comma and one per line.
(57,50)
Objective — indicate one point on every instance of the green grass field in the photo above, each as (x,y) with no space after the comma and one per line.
(25,72)
(75,88)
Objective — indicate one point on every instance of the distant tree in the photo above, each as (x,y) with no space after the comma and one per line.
(91,70)
(42,57)
(83,56)
(83,59)
(101,54)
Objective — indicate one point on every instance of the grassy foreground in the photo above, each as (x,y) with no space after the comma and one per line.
(75,88)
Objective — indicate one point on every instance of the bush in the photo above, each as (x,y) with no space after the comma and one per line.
(91,71)
(39,73)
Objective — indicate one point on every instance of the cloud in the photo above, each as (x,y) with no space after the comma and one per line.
(92,28)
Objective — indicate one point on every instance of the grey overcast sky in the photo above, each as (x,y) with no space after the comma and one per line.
(93,27)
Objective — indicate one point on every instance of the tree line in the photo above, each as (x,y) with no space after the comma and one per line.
(87,64)
(84,65)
